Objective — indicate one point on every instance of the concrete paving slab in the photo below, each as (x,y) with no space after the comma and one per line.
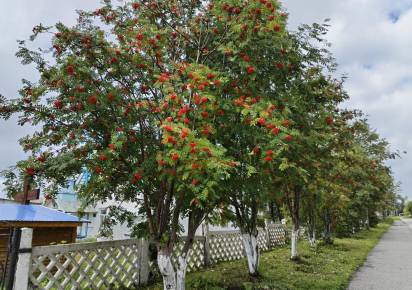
(389,264)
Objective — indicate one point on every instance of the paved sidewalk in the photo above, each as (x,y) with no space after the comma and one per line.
(389,264)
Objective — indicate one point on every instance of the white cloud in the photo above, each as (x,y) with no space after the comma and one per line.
(17,18)
(371,43)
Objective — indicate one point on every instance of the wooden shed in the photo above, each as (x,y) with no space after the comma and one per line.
(49,226)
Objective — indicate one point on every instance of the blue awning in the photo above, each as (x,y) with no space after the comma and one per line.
(35,213)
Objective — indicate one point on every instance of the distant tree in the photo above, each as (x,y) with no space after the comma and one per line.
(401,200)
(408,208)
(314,100)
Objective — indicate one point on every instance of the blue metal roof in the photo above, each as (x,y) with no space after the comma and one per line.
(34,213)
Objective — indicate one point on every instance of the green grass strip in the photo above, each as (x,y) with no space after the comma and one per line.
(326,267)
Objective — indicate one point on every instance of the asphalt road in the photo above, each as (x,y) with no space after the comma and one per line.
(389,264)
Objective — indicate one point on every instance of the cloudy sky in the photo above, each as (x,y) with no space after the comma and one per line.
(371,42)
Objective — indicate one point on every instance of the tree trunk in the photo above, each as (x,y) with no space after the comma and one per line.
(367,220)
(181,273)
(166,269)
(252,253)
(173,279)
(293,203)
(294,241)
(275,212)
(328,235)
(312,237)
(312,228)
(174,275)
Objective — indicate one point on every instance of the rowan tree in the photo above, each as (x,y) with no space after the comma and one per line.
(137,94)
(355,181)
(255,110)
(128,97)
(259,109)
(323,194)
(301,163)
(368,178)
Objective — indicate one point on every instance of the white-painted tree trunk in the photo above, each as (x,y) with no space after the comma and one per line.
(294,244)
(367,219)
(172,279)
(252,253)
(166,269)
(312,238)
(181,273)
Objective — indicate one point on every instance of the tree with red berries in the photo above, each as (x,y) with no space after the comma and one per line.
(350,183)
(253,110)
(323,192)
(263,117)
(133,96)
(368,182)
(299,163)
(311,99)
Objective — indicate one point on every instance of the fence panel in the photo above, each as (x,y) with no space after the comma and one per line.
(196,255)
(277,235)
(228,246)
(100,265)
(225,246)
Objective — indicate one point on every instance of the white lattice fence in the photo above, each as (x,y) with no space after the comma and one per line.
(277,235)
(225,246)
(228,246)
(196,255)
(100,265)
(262,240)
(104,265)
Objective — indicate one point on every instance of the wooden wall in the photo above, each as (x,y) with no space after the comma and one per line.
(42,236)
(47,236)
(4,239)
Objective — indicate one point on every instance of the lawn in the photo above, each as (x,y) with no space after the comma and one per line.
(327,267)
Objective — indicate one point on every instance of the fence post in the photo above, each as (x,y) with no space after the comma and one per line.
(21,278)
(144,262)
(267,225)
(207,244)
(287,235)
